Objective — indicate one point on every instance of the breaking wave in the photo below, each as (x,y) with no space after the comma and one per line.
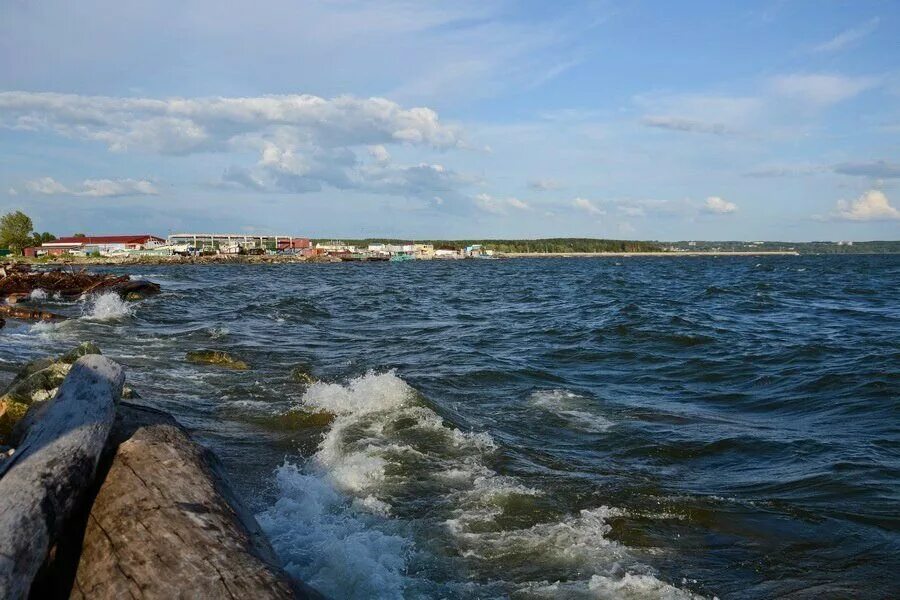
(107,307)
(349,521)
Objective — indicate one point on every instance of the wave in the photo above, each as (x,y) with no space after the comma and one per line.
(107,307)
(351,522)
(572,408)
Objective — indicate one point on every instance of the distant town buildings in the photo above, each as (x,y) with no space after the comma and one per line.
(104,245)
(187,244)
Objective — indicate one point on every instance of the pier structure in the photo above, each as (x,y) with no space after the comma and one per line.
(231,240)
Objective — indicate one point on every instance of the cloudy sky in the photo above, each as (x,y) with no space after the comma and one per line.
(343,118)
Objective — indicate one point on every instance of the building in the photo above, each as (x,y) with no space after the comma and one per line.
(99,244)
(231,243)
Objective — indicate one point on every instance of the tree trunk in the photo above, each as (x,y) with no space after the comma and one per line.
(165,525)
(45,479)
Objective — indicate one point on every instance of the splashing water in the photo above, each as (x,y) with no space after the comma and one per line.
(107,307)
(334,523)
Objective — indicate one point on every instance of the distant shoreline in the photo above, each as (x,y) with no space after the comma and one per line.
(626,254)
(282,259)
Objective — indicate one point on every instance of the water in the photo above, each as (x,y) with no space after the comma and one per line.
(571,428)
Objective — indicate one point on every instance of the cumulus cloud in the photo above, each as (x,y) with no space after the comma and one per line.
(587,206)
(820,89)
(544,185)
(186,125)
(304,142)
(848,37)
(684,124)
(878,169)
(719,206)
(499,206)
(871,206)
(96,188)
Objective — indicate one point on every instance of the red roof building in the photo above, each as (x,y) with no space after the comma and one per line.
(101,243)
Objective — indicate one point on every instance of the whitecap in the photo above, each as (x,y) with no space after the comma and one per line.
(107,307)
(325,541)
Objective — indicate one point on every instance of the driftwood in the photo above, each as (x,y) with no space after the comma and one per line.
(165,525)
(17,281)
(44,481)
(28,314)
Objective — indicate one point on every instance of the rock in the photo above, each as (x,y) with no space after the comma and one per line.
(34,385)
(300,419)
(132,291)
(302,374)
(165,525)
(128,393)
(82,349)
(68,358)
(217,358)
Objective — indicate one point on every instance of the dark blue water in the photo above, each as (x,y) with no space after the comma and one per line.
(572,428)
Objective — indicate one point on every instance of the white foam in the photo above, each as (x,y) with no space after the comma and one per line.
(107,307)
(38,294)
(610,587)
(334,524)
(325,541)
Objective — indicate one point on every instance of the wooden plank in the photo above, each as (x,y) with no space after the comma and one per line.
(44,481)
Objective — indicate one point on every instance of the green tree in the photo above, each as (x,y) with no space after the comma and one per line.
(42,238)
(15,231)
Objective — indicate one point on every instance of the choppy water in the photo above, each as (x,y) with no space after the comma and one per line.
(584,428)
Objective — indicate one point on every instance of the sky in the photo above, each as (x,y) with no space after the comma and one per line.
(770,120)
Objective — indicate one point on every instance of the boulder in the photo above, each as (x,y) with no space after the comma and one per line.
(217,358)
(33,386)
(302,374)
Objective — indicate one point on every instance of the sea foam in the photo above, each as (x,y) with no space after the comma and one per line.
(107,307)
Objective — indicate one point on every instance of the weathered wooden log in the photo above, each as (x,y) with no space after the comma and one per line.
(28,314)
(44,481)
(165,525)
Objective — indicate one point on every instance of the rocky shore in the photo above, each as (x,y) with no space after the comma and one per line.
(104,498)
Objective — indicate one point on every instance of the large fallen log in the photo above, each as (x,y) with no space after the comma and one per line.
(44,481)
(165,525)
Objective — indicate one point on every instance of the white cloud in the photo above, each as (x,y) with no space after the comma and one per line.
(187,125)
(820,89)
(45,186)
(848,37)
(304,142)
(871,206)
(96,188)
(587,206)
(719,206)
(379,153)
(499,206)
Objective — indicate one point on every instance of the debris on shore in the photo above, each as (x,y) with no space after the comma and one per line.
(19,282)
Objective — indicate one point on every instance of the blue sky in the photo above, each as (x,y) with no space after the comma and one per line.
(342,118)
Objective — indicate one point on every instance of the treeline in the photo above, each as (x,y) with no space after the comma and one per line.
(539,245)
(819,247)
